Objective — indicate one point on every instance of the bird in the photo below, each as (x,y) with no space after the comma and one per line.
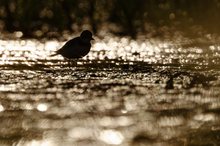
(77,47)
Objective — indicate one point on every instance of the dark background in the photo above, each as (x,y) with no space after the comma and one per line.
(40,18)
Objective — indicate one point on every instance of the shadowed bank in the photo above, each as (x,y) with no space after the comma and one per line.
(53,18)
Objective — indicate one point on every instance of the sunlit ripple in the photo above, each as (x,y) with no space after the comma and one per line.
(27,106)
(151,51)
(170,121)
(1,108)
(37,143)
(22,50)
(42,107)
(115,122)
(111,137)
(205,117)
(8,87)
(79,133)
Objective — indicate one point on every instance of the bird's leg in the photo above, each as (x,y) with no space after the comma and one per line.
(69,63)
(74,62)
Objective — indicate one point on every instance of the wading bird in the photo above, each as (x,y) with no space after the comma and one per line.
(77,47)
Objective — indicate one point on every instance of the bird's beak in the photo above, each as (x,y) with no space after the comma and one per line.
(92,39)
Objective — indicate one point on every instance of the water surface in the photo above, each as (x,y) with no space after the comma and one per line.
(125,92)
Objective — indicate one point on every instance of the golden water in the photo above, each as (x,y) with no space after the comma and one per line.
(125,92)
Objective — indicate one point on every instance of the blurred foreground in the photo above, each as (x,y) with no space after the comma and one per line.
(125,92)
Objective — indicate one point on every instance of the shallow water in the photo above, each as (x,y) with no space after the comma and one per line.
(125,92)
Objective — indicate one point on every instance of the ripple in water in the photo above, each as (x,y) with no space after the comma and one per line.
(125,92)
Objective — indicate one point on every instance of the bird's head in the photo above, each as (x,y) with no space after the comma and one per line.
(86,36)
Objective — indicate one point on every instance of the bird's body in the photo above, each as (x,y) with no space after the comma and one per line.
(74,48)
(77,47)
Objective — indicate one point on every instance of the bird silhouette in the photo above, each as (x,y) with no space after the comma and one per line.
(77,47)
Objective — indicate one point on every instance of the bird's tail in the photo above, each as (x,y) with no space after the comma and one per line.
(55,54)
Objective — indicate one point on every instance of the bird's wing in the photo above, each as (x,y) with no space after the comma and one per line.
(71,43)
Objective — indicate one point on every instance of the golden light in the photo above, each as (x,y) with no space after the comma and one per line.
(36,143)
(111,137)
(1,108)
(42,107)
